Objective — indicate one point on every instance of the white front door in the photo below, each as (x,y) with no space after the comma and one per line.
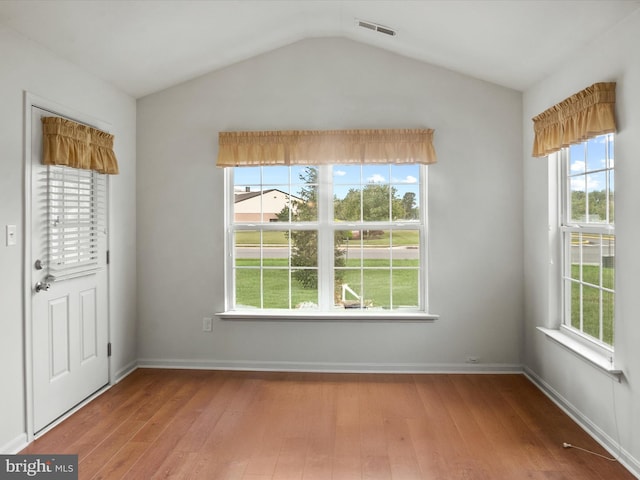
(69,296)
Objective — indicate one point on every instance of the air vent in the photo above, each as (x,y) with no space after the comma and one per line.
(376,28)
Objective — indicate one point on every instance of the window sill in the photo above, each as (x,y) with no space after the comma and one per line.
(583,351)
(342,316)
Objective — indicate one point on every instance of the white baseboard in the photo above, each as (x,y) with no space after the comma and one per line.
(15,445)
(324,367)
(124,372)
(612,446)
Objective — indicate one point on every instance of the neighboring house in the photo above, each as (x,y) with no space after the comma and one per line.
(261,206)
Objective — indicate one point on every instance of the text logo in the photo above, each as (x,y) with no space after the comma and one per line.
(50,467)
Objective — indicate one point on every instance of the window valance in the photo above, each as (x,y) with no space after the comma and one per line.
(79,146)
(584,115)
(318,147)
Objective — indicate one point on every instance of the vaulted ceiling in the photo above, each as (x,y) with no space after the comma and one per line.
(149,45)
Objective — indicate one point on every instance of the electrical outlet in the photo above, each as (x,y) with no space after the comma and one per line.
(207,324)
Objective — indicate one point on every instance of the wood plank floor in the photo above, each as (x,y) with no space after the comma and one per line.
(186,424)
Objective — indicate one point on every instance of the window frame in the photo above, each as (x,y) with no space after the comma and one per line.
(566,228)
(326,228)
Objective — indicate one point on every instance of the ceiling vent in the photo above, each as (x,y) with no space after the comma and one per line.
(375,27)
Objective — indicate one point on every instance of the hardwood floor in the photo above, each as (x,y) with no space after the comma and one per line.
(190,424)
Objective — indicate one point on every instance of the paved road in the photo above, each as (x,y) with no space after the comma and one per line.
(590,253)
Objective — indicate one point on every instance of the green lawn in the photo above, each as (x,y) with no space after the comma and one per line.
(591,302)
(376,279)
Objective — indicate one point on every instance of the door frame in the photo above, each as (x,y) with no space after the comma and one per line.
(31,100)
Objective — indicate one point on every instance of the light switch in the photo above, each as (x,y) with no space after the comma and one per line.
(11,235)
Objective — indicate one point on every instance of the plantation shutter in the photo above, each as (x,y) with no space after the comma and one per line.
(76,206)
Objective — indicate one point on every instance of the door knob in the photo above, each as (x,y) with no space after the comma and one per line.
(41,286)
(46,285)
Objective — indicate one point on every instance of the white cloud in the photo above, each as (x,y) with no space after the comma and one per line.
(577,184)
(577,166)
(409,179)
(339,173)
(376,178)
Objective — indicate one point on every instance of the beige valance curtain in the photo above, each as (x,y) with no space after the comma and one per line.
(583,115)
(79,146)
(318,147)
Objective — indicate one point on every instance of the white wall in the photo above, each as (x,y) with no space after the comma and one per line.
(27,66)
(608,408)
(475,210)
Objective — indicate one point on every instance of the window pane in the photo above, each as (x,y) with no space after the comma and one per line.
(348,288)
(405,180)
(346,174)
(405,288)
(608,261)
(576,300)
(303,297)
(610,152)
(247,176)
(247,247)
(305,195)
(406,248)
(578,205)
(576,159)
(405,174)
(248,287)
(591,272)
(375,203)
(274,175)
(591,311)
(597,185)
(611,196)
(408,196)
(275,249)
(377,246)
(276,288)
(276,204)
(576,255)
(305,204)
(597,153)
(304,174)
(304,253)
(347,203)
(607,317)
(377,288)
(375,174)
(347,250)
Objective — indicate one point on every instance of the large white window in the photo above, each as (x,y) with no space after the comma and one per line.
(588,236)
(330,238)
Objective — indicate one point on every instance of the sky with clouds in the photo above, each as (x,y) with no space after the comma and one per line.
(588,164)
(404,178)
